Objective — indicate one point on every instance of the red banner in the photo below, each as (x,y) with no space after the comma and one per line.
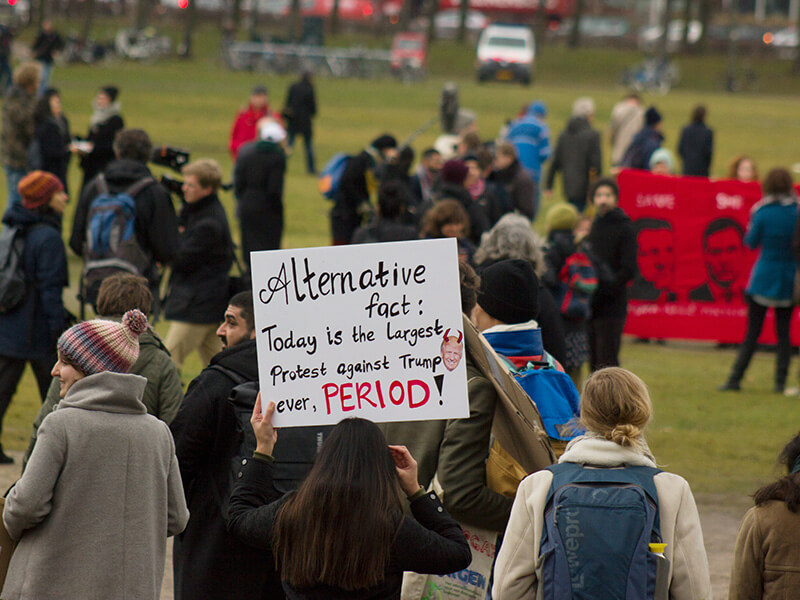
(693,264)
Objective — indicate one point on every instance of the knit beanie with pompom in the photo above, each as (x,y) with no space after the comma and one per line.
(97,346)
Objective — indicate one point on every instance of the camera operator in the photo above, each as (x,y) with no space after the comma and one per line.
(197,296)
(155,224)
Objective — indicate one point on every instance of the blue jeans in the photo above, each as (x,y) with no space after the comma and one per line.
(44,82)
(308,148)
(13,177)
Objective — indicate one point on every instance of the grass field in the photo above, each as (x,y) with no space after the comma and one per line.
(721,443)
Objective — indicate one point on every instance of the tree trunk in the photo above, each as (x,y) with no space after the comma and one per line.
(540,27)
(687,18)
(404,18)
(236,15)
(665,16)
(295,24)
(463,10)
(732,83)
(575,34)
(142,14)
(334,24)
(191,23)
(254,6)
(704,16)
(431,12)
(40,13)
(88,17)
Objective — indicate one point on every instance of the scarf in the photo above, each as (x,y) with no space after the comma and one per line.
(101,115)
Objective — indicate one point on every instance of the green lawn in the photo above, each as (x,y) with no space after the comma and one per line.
(721,443)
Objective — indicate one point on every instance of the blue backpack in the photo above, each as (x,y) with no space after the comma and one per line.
(554,395)
(598,524)
(330,178)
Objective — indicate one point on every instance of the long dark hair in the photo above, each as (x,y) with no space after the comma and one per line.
(338,528)
(786,489)
(42,110)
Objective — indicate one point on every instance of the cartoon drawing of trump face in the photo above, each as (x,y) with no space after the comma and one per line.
(452,350)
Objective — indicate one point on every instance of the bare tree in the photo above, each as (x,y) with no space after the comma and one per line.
(432,8)
(540,26)
(704,16)
(334,22)
(236,14)
(575,34)
(463,12)
(404,18)
(40,10)
(664,40)
(88,17)
(294,20)
(142,14)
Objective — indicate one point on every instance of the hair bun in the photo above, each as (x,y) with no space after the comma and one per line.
(626,435)
(135,321)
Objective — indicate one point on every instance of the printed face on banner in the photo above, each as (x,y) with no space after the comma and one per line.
(372,331)
(724,252)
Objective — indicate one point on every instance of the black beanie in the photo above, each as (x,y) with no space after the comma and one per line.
(383,142)
(111,91)
(510,291)
(652,116)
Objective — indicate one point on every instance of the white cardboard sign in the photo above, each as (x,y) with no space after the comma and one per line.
(371,330)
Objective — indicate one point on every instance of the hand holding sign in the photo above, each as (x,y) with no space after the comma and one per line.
(406,469)
(266,434)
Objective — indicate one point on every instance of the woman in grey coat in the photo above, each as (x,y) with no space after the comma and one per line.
(102,490)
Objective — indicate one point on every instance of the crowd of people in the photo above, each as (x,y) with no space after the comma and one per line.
(121,457)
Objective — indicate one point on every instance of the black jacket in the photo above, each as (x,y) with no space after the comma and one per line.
(102,136)
(695,147)
(200,268)
(54,139)
(208,561)
(613,243)
(384,230)
(300,107)
(45,45)
(156,224)
(353,192)
(431,542)
(519,187)
(478,219)
(577,155)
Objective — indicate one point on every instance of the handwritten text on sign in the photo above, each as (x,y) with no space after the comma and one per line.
(372,331)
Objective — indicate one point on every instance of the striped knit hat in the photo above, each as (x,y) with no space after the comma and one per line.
(37,187)
(97,346)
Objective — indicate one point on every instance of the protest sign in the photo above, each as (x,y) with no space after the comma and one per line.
(693,264)
(371,330)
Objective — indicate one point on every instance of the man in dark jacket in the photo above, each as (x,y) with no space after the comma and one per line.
(209,562)
(47,43)
(388,226)
(515,180)
(359,181)
(155,222)
(696,144)
(258,187)
(29,331)
(301,106)
(454,174)
(200,267)
(647,141)
(577,155)
(18,126)
(613,240)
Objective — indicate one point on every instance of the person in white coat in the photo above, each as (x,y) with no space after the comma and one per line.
(615,409)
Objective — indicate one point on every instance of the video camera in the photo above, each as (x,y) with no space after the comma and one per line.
(170,157)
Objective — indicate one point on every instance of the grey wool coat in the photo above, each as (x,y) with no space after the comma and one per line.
(100,495)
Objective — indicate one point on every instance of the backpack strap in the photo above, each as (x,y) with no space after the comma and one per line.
(102,185)
(138,186)
(237,378)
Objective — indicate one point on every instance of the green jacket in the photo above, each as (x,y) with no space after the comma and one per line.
(462,460)
(17,127)
(162,396)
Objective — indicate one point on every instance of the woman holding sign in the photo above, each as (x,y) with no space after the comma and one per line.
(343,533)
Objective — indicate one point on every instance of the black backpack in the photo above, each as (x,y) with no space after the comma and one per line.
(294,451)
(13,283)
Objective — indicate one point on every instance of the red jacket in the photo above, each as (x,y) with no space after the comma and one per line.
(244,127)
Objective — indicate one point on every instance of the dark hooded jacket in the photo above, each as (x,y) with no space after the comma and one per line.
(613,240)
(156,224)
(695,148)
(644,143)
(31,330)
(208,561)
(478,219)
(201,264)
(519,186)
(577,155)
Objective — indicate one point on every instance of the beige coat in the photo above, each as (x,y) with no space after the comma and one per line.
(101,493)
(766,564)
(515,570)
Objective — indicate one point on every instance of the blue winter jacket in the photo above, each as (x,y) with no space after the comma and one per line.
(771,229)
(531,138)
(31,330)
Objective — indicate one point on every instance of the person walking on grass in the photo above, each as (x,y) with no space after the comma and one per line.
(770,231)
(102,490)
(300,108)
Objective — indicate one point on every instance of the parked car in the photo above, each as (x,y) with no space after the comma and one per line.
(506,53)
(409,55)
(596,27)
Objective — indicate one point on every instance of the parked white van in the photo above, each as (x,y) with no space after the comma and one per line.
(506,53)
